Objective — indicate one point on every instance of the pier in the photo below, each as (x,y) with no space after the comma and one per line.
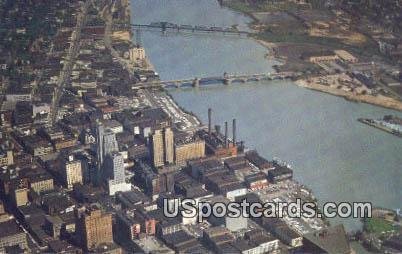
(226,79)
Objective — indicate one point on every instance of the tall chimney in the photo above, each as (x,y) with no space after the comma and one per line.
(234,132)
(209,121)
(226,134)
(218,129)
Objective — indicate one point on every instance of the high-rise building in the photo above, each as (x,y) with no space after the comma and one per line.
(169,144)
(106,142)
(99,143)
(72,172)
(114,173)
(162,143)
(94,228)
(109,142)
(157,148)
(114,167)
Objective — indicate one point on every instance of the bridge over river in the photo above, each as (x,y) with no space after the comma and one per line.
(226,79)
(166,26)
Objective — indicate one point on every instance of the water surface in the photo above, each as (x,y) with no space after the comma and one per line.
(339,158)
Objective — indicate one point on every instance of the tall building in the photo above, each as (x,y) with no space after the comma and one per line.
(157,148)
(114,174)
(114,167)
(109,142)
(106,142)
(72,172)
(94,228)
(99,143)
(162,143)
(169,144)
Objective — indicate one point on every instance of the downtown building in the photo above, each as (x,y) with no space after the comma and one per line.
(162,146)
(72,173)
(93,228)
(110,162)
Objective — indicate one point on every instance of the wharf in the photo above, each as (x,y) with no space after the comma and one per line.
(377,125)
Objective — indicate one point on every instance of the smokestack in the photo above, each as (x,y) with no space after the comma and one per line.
(218,129)
(234,132)
(209,121)
(226,134)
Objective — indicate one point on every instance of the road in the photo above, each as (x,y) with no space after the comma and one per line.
(69,62)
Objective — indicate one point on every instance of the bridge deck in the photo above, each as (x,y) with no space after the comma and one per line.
(226,79)
(169,26)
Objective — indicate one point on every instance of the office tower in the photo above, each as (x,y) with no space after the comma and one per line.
(109,142)
(157,148)
(106,142)
(99,143)
(114,163)
(72,173)
(114,173)
(162,144)
(94,228)
(169,144)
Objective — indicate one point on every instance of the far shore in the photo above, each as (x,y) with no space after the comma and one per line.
(379,100)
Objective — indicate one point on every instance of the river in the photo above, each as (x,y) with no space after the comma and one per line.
(339,158)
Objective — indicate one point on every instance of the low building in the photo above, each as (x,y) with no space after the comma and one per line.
(53,225)
(20,196)
(36,145)
(128,227)
(282,231)
(188,150)
(6,158)
(259,161)
(346,56)
(322,56)
(256,181)
(12,235)
(332,240)
(41,182)
(280,173)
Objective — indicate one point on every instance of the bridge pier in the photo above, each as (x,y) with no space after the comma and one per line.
(227,81)
(196,82)
(177,84)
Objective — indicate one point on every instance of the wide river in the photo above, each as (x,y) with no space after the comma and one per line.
(339,158)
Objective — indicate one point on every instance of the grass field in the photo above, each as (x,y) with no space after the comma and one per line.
(378,225)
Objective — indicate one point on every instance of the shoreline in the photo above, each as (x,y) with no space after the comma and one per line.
(383,101)
(379,101)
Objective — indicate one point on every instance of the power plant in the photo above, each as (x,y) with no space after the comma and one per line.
(218,143)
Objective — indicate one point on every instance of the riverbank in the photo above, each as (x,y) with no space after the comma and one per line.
(288,45)
(378,100)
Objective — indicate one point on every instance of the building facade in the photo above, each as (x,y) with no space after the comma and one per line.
(157,149)
(189,151)
(169,144)
(94,228)
(72,173)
